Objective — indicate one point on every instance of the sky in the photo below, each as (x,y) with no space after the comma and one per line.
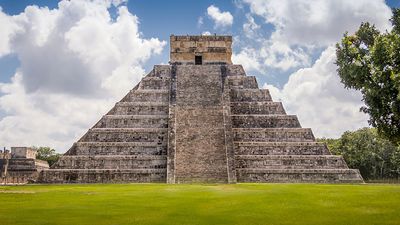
(63,64)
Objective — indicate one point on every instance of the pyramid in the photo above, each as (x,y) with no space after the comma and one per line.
(199,119)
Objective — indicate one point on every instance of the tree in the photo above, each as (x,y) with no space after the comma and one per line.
(47,154)
(369,61)
(364,149)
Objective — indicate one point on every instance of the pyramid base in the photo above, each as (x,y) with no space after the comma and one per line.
(299,176)
(103,176)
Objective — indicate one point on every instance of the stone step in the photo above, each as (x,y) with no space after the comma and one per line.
(250,95)
(244,82)
(290,162)
(280,148)
(140,108)
(140,95)
(112,162)
(234,70)
(154,135)
(21,164)
(162,71)
(103,176)
(273,135)
(18,177)
(120,148)
(299,175)
(159,83)
(265,121)
(133,121)
(257,108)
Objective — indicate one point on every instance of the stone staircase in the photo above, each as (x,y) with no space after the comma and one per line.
(128,144)
(271,146)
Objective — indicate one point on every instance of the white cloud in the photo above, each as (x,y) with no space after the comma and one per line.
(272,54)
(250,28)
(8,30)
(322,22)
(248,59)
(302,26)
(321,102)
(76,62)
(221,19)
(200,22)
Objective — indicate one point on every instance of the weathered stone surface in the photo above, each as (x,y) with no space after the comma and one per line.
(281,148)
(290,162)
(102,175)
(150,83)
(273,134)
(133,121)
(113,162)
(140,108)
(120,148)
(250,95)
(200,133)
(265,121)
(299,175)
(247,82)
(263,108)
(146,95)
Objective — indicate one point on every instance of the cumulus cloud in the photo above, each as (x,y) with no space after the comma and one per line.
(8,29)
(321,22)
(316,95)
(248,58)
(75,62)
(221,19)
(302,26)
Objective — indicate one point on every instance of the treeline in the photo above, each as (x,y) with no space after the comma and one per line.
(364,149)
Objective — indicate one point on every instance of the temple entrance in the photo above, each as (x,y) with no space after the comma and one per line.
(198,60)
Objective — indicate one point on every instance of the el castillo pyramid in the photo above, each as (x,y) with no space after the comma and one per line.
(199,119)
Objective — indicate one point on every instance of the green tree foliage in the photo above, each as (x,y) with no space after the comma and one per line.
(364,149)
(369,61)
(47,154)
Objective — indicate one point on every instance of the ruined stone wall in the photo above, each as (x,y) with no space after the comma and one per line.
(20,170)
(213,49)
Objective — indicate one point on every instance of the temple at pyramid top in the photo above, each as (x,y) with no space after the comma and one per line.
(200,50)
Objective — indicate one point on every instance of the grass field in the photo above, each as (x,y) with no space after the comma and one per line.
(250,204)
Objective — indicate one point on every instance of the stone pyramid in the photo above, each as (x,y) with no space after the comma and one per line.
(199,119)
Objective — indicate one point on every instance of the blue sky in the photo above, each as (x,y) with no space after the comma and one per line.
(161,19)
(61,69)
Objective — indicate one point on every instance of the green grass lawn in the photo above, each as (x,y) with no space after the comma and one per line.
(250,204)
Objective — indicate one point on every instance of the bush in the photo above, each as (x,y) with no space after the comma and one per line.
(47,154)
(364,149)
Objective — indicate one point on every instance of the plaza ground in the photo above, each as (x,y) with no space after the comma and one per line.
(250,204)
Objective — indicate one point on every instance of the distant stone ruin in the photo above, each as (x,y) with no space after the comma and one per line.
(199,119)
(20,166)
